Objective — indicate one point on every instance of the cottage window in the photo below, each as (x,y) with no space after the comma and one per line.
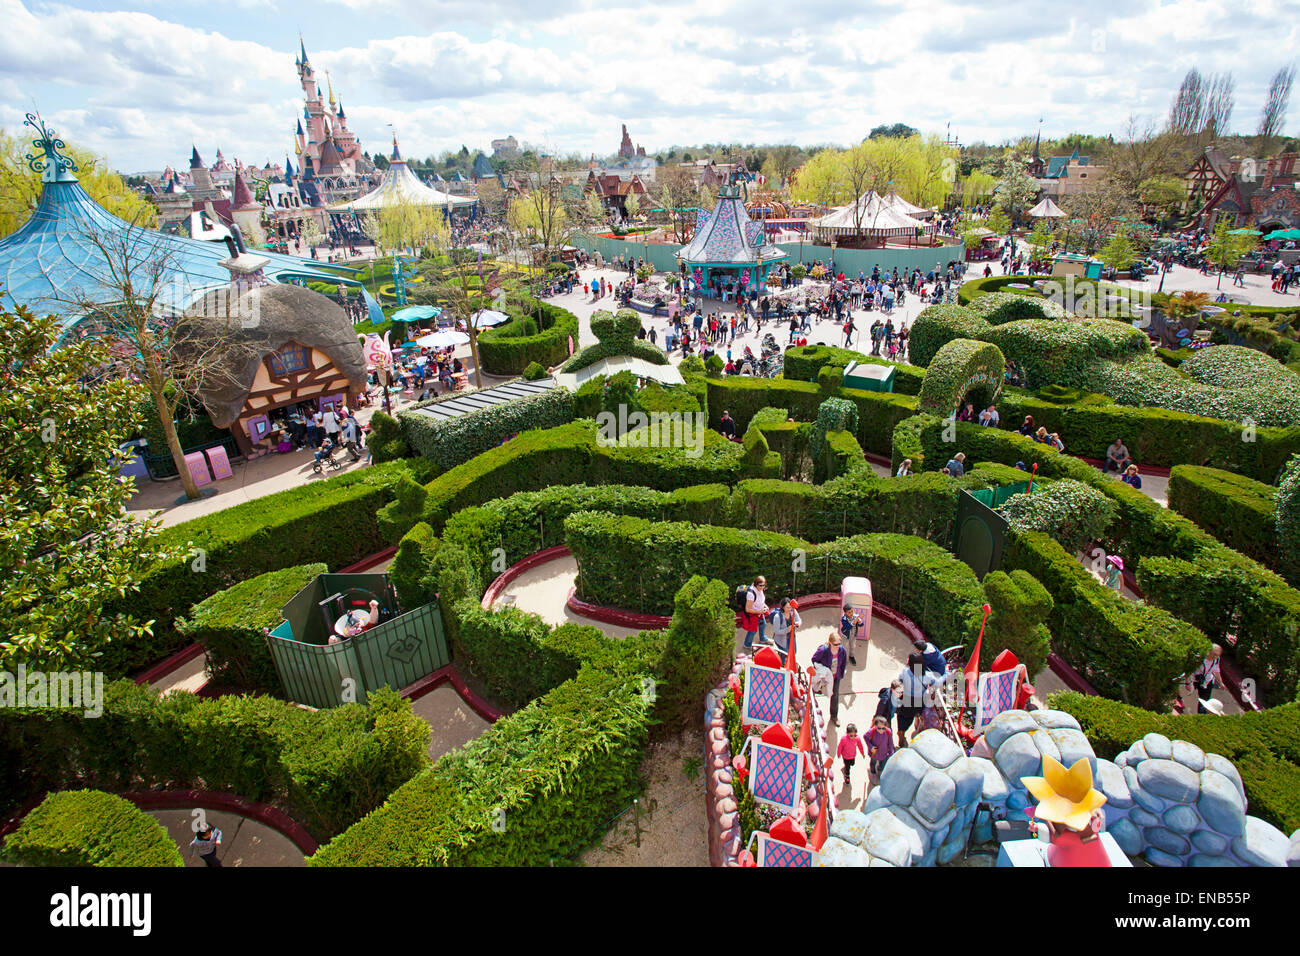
(289,359)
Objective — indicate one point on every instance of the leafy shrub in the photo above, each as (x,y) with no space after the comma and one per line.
(326,768)
(1071,512)
(386,441)
(231,624)
(534,372)
(1269,398)
(1020,606)
(410,565)
(834,414)
(90,828)
(449,442)
(1262,745)
(617,335)
(1127,651)
(998,308)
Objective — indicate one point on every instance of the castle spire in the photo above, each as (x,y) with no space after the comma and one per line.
(330,83)
(302,47)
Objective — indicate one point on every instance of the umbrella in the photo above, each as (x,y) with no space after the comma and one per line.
(441,339)
(413,313)
(486,318)
(1284,234)
(1244,232)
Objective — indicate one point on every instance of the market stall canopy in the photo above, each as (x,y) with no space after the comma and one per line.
(414,313)
(1284,234)
(664,374)
(401,185)
(441,339)
(486,318)
(1047,210)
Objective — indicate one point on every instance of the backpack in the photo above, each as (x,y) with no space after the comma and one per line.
(739,598)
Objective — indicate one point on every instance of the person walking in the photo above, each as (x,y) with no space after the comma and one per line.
(351,433)
(756,611)
(833,659)
(879,745)
(330,422)
(1207,677)
(848,750)
(785,621)
(318,424)
(206,843)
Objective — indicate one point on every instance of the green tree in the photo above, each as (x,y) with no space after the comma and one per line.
(68,548)
(1119,252)
(1016,190)
(1225,250)
(1161,195)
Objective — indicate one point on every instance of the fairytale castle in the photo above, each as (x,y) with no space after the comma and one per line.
(323,141)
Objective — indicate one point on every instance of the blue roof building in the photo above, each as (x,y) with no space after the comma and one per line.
(56,255)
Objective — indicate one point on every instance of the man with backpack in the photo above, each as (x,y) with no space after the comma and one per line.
(752,605)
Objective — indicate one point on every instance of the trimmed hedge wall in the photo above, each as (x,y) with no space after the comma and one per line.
(567,455)
(448,442)
(878,412)
(1127,651)
(1237,510)
(1264,745)
(536,788)
(961,367)
(633,563)
(89,828)
(230,623)
(505,351)
(803,362)
(331,520)
(326,768)
(1180,567)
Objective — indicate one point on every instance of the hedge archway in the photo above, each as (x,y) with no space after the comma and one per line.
(956,369)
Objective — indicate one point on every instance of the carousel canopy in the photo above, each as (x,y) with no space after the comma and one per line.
(1047,210)
(728,237)
(60,252)
(401,185)
(869,216)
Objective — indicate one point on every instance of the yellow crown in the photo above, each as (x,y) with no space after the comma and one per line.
(1065,796)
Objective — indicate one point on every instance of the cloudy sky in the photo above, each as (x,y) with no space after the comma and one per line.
(140,85)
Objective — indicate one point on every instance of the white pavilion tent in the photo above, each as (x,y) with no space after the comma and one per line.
(1047,210)
(869,216)
(401,185)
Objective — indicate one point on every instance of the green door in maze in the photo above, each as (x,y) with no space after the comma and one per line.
(980,531)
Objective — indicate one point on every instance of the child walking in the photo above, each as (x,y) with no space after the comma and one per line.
(880,744)
(849,747)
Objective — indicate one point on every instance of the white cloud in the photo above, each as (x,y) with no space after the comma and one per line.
(139,87)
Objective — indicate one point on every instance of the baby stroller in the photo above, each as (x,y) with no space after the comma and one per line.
(325,458)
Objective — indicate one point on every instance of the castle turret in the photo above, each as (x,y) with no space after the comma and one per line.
(200,176)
